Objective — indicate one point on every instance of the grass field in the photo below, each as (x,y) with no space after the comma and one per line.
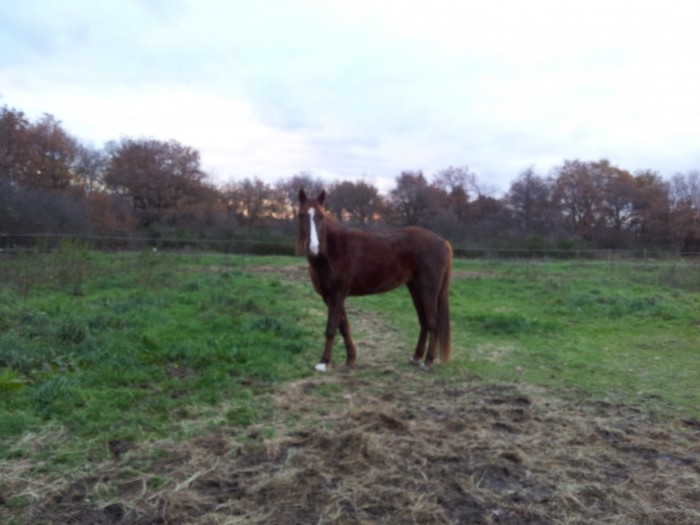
(136,342)
(101,354)
(624,332)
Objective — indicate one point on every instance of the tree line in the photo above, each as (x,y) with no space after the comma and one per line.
(50,182)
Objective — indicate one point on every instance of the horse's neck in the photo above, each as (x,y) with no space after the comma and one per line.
(335,235)
(333,242)
(333,227)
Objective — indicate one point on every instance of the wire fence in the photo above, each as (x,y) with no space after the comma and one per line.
(574,253)
(10,244)
(16,243)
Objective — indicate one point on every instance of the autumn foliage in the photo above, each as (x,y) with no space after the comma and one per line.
(52,183)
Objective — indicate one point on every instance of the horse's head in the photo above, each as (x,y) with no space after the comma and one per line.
(310,219)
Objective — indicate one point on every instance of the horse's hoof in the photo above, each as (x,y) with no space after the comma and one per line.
(414,361)
(321,367)
(426,368)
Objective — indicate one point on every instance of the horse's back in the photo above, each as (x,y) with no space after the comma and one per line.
(420,246)
(388,259)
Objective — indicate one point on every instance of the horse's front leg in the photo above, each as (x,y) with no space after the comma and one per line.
(347,338)
(336,311)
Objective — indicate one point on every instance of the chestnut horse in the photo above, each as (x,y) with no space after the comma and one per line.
(345,262)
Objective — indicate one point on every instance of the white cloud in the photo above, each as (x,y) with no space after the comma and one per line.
(363,88)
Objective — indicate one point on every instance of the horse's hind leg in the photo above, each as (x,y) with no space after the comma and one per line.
(422,338)
(419,352)
(426,307)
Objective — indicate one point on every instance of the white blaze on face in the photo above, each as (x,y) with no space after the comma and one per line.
(313,240)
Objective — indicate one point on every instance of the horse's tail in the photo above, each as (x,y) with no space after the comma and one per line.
(443,313)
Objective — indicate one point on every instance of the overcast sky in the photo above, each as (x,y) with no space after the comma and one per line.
(367,88)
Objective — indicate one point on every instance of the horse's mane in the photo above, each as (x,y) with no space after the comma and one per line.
(299,247)
(332,225)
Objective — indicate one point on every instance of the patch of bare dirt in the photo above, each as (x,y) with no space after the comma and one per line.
(389,444)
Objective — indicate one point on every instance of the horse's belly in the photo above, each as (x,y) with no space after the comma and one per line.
(369,290)
(368,283)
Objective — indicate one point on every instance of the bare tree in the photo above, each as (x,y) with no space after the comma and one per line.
(578,191)
(355,202)
(287,192)
(54,153)
(164,180)
(651,207)
(530,199)
(456,186)
(249,200)
(15,146)
(89,169)
(488,221)
(684,201)
(36,155)
(413,201)
(619,191)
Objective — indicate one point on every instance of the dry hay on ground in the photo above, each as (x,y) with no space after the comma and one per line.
(410,452)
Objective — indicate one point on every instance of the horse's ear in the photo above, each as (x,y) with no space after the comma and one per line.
(302,196)
(321,197)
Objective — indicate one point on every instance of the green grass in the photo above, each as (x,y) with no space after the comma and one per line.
(140,345)
(622,333)
(102,347)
